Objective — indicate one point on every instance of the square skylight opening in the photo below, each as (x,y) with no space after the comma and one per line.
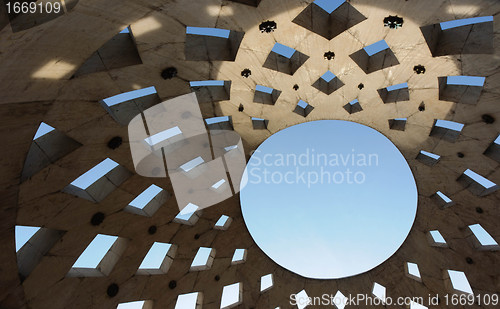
(146,196)
(451,125)
(95,173)
(376,48)
(303,104)
(206,83)
(189,301)
(379,292)
(239,256)
(465,22)
(141,304)
(302,299)
(484,182)
(401,119)
(430,155)
(459,282)
(128,96)
(42,130)
(203,260)
(340,300)
(189,215)
(188,166)
(328,76)
(232,296)
(466,80)
(264,89)
(159,137)
(397,87)
(223,223)
(221,33)
(436,239)
(412,271)
(329,5)
(483,240)
(266,283)
(23,234)
(283,50)
(158,259)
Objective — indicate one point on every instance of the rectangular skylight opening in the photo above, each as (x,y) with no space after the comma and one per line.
(95,251)
(283,50)
(459,282)
(213,120)
(451,125)
(146,196)
(466,80)
(401,119)
(354,102)
(266,283)
(23,234)
(397,87)
(239,256)
(484,182)
(328,76)
(430,155)
(376,48)
(444,197)
(221,33)
(158,259)
(329,5)
(379,291)
(484,239)
(264,89)
(189,301)
(188,166)
(159,137)
(141,304)
(42,130)
(94,174)
(340,300)
(231,295)
(188,215)
(257,119)
(203,260)
(465,22)
(206,83)
(223,223)
(302,299)
(131,95)
(218,184)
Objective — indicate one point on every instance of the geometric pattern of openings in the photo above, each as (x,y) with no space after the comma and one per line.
(470,36)
(125,106)
(148,202)
(48,146)
(69,106)
(285,59)
(119,52)
(99,258)
(100,181)
(158,259)
(328,83)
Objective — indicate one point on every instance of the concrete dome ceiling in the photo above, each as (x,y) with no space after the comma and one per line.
(60,70)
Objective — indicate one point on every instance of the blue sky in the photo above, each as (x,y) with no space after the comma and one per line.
(376,47)
(283,50)
(463,22)
(329,5)
(328,76)
(321,224)
(222,33)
